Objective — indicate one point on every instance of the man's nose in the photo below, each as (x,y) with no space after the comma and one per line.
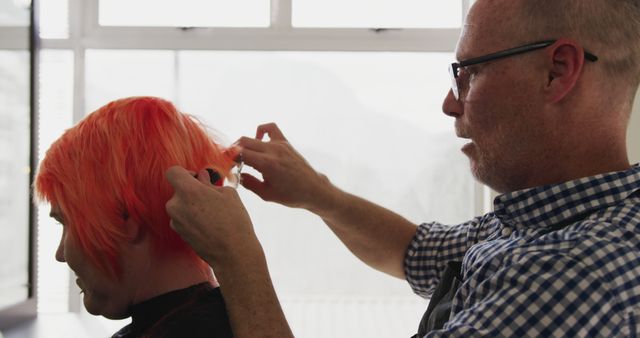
(451,106)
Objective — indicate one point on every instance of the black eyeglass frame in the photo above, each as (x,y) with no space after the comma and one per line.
(454,67)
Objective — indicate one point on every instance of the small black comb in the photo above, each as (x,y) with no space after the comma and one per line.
(213,176)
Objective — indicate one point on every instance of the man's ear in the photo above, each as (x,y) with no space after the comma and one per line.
(565,62)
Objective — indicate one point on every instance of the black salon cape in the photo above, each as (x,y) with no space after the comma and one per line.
(194,312)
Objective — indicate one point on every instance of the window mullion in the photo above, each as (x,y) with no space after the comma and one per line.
(304,39)
(14,38)
(281,12)
(76,16)
(279,36)
(90,19)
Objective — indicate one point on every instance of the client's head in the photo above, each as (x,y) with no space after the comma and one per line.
(104,179)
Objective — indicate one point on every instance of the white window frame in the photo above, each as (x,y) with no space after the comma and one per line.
(18,38)
(279,36)
(14,38)
(86,33)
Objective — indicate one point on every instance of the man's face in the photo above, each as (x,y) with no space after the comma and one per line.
(103,295)
(497,108)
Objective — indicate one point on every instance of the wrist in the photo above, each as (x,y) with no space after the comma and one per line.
(327,199)
(246,286)
(232,250)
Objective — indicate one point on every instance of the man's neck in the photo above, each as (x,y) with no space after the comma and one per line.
(170,273)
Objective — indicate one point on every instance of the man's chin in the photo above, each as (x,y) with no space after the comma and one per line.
(486,176)
(468,149)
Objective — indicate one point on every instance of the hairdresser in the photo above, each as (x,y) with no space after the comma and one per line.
(543,91)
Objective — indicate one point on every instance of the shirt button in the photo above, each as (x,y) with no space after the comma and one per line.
(506,232)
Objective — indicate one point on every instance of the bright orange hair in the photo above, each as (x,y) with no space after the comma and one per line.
(111,166)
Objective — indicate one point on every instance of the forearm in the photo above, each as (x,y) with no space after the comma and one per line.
(218,228)
(251,301)
(377,236)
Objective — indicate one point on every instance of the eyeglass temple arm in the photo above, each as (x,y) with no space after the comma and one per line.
(516,51)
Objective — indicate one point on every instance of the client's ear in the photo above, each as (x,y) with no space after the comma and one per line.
(133,231)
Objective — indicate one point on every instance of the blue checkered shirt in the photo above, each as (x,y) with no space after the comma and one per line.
(520,279)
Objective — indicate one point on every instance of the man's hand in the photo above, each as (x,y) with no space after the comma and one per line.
(379,237)
(288,178)
(211,219)
(215,223)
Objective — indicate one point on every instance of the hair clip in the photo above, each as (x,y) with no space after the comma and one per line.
(214,177)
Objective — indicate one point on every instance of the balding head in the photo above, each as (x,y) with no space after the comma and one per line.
(548,115)
(609,29)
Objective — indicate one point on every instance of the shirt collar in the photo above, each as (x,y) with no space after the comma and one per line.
(548,205)
(150,312)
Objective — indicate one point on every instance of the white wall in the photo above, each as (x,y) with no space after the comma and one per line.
(633,134)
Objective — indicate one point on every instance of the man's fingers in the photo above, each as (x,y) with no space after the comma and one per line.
(251,144)
(255,159)
(203,176)
(172,207)
(270,129)
(253,184)
(177,177)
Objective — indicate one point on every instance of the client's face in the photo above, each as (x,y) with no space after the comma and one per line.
(103,295)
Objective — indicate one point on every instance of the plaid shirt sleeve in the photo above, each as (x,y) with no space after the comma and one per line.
(541,294)
(434,244)
(551,261)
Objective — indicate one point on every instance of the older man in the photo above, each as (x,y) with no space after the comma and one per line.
(543,91)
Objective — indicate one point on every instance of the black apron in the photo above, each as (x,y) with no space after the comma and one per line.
(439,309)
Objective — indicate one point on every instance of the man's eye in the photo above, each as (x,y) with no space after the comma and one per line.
(470,74)
(464,72)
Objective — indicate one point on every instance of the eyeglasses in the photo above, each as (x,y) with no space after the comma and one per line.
(454,68)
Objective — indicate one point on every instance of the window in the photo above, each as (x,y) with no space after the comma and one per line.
(14,13)
(184,13)
(54,19)
(356,85)
(112,74)
(15,150)
(17,250)
(379,97)
(56,78)
(377,13)
(347,97)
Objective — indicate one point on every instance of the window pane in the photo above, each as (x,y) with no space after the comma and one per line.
(15,151)
(14,13)
(113,74)
(370,121)
(377,13)
(56,115)
(185,13)
(54,19)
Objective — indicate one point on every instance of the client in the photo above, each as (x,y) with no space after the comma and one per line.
(104,179)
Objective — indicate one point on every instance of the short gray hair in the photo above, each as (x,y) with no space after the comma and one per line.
(609,29)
